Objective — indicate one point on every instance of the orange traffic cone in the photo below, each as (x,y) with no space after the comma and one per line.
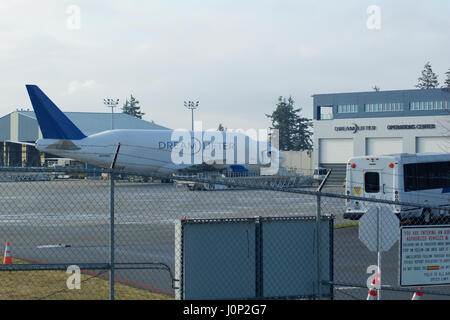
(372,292)
(7,258)
(418,295)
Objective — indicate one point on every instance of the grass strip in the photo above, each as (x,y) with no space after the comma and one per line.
(52,285)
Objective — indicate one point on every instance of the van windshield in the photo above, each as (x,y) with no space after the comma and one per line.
(372,182)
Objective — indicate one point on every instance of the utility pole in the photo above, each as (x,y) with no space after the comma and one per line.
(111,103)
(192,106)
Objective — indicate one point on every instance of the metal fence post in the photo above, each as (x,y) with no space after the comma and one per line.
(258,259)
(111,238)
(318,214)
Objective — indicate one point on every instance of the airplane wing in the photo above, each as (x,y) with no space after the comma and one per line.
(25,143)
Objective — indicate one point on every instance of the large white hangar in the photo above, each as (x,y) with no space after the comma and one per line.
(22,125)
(379,122)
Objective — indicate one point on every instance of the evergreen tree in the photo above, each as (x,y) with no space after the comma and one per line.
(132,108)
(447,81)
(294,134)
(428,80)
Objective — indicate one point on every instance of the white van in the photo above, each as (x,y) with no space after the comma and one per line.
(413,178)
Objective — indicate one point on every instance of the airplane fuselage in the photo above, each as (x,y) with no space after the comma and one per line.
(153,150)
(164,151)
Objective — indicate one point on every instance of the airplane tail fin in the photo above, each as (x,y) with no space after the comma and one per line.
(53,123)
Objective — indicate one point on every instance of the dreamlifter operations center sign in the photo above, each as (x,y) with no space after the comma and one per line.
(425,256)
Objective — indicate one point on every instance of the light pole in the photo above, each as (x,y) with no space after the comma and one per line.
(192,106)
(111,103)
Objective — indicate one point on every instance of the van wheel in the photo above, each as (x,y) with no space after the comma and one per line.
(425,217)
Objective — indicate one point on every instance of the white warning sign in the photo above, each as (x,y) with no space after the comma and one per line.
(425,256)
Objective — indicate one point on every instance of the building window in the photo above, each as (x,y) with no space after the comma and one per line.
(347,108)
(326,112)
(383,107)
(428,105)
(372,182)
(426,176)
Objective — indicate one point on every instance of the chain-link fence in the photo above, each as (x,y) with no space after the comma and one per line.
(69,233)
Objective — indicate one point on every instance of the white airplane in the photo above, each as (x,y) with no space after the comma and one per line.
(159,151)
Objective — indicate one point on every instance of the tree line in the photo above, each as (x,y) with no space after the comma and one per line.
(428,79)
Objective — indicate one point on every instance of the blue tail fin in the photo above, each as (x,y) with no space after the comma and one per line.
(53,123)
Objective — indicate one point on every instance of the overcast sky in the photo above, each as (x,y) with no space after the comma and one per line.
(235,57)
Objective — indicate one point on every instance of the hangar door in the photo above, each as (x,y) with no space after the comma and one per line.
(335,150)
(433,144)
(379,146)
